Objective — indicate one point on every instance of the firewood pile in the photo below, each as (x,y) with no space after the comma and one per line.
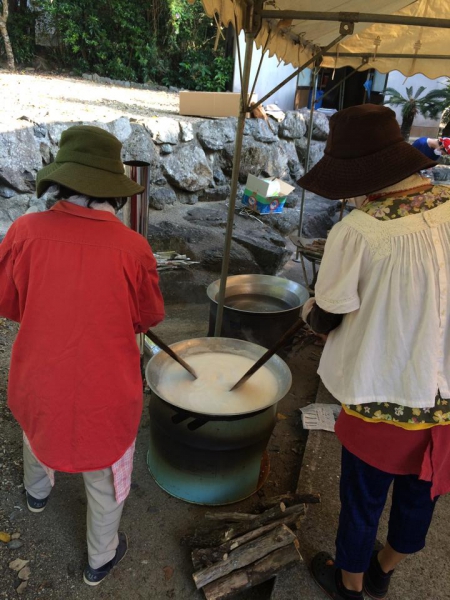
(168,261)
(238,551)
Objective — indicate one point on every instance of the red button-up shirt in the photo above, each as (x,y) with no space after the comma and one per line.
(81,285)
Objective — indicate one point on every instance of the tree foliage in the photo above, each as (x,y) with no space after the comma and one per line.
(430,105)
(164,41)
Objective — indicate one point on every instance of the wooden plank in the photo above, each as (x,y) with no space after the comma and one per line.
(254,574)
(245,555)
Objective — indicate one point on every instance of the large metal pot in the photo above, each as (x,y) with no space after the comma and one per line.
(202,457)
(258,308)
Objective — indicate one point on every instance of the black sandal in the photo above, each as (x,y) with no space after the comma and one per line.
(376,581)
(329,578)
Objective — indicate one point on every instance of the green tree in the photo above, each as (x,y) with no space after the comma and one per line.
(430,105)
(4,33)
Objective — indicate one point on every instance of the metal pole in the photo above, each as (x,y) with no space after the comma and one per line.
(354,17)
(308,148)
(249,39)
(341,95)
(346,30)
(386,55)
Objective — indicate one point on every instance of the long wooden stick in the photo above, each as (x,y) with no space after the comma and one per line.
(265,357)
(158,341)
(205,557)
(245,555)
(260,571)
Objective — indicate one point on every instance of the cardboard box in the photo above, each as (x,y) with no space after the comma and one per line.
(265,196)
(211,104)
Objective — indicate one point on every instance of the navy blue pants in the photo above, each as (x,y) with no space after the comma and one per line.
(363,492)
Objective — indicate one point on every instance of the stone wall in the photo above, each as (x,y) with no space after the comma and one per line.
(190,161)
(190,164)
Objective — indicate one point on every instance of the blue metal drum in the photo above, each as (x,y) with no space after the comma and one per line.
(206,458)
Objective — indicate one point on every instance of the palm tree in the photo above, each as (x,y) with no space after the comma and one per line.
(430,105)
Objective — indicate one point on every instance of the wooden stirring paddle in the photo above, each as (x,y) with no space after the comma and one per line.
(265,357)
(158,341)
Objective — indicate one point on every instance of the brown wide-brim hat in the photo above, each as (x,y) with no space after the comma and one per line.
(365,152)
(88,162)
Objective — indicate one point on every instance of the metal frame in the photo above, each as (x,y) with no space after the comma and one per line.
(254,15)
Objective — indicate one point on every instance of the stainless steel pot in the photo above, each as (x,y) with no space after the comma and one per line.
(205,458)
(258,308)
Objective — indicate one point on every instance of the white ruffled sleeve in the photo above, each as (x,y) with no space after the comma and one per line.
(345,258)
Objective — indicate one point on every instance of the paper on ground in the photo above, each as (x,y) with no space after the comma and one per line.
(320,416)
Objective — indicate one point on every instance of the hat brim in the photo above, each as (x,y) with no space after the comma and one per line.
(89,181)
(338,178)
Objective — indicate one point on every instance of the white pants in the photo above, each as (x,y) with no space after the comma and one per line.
(103,512)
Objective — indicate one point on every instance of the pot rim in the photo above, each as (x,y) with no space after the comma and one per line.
(292,286)
(187,347)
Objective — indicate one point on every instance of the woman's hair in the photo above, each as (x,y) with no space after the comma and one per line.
(116,203)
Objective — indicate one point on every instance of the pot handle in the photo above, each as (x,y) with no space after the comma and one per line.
(196,424)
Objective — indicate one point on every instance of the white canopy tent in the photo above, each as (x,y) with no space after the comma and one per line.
(411,37)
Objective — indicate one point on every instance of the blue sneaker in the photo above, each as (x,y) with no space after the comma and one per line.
(34,505)
(96,576)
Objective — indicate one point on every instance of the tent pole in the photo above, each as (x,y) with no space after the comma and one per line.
(308,150)
(249,39)
(387,55)
(346,29)
(354,17)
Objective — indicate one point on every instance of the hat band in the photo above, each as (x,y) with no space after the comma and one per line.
(89,160)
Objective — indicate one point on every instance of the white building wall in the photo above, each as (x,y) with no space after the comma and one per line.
(397,81)
(271,74)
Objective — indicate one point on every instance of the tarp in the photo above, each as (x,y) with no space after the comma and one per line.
(295,41)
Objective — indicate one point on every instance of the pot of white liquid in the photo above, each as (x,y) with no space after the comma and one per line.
(207,444)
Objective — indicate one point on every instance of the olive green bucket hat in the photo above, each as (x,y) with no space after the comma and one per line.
(88,162)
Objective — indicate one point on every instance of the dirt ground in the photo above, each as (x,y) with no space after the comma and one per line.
(54,541)
(50,98)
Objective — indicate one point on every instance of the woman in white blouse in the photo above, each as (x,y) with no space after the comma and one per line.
(382,298)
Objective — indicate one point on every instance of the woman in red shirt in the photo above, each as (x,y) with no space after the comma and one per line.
(81,285)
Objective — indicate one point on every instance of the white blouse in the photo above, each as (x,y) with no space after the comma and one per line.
(391,278)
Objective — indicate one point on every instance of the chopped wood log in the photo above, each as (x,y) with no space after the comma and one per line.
(203,538)
(236,517)
(291,498)
(205,557)
(245,555)
(254,574)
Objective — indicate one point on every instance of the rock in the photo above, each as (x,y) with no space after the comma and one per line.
(220,192)
(15,544)
(293,126)
(316,151)
(321,125)
(121,128)
(55,130)
(46,153)
(40,130)
(214,135)
(7,192)
(139,146)
(15,536)
(255,158)
(24,574)
(318,215)
(21,587)
(283,161)
(166,149)
(260,130)
(159,197)
(186,198)
(11,209)
(211,216)
(87,76)
(4,537)
(18,564)
(164,130)
(285,222)
(292,200)
(267,247)
(20,158)
(188,168)
(440,173)
(186,131)
(219,177)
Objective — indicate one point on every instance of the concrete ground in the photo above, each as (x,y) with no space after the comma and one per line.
(425,576)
